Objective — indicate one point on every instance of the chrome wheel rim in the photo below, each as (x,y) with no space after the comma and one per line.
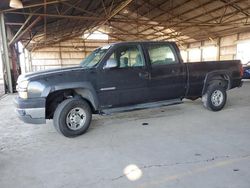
(76,119)
(217,98)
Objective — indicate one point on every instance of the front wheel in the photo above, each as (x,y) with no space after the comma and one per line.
(215,97)
(72,117)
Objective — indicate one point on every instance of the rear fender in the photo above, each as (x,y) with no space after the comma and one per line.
(218,77)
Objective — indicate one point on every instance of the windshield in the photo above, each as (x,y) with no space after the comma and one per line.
(93,59)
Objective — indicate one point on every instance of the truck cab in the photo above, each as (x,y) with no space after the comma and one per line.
(133,73)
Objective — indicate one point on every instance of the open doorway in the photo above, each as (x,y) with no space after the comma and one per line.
(243,51)
(2,90)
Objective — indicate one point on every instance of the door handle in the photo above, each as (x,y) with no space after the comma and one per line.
(174,71)
(144,75)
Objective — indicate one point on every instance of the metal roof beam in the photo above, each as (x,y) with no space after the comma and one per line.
(116,11)
(233,5)
(202,14)
(58,16)
(45,19)
(164,13)
(20,30)
(34,5)
(26,30)
(79,8)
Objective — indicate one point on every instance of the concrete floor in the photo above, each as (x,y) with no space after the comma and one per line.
(183,146)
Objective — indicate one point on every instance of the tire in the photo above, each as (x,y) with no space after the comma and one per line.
(72,117)
(215,97)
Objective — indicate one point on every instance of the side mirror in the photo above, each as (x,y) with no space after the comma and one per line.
(111,63)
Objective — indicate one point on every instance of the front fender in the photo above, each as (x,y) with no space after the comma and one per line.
(84,89)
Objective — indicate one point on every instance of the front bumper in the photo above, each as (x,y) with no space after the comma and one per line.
(31,110)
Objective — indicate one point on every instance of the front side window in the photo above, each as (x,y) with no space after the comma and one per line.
(161,54)
(94,58)
(128,56)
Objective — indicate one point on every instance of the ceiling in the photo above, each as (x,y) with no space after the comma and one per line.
(46,22)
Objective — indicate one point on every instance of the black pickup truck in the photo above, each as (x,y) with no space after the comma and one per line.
(121,77)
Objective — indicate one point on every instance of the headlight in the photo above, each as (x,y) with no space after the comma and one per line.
(23,84)
(23,94)
(22,89)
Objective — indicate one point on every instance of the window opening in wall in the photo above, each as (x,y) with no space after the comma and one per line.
(243,51)
(184,55)
(96,35)
(209,53)
(194,54)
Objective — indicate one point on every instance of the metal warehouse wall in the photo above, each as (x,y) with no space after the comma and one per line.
(72,52)
(64,54)
(226,47)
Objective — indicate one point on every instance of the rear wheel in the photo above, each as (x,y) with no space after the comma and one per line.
(215,97)
(72,117)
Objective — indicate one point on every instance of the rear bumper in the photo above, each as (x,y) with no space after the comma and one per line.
(236,83)
(241,83)
(31,110)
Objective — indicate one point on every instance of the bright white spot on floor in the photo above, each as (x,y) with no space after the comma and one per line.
(132,172)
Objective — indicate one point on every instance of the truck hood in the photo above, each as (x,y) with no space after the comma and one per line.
(46,73)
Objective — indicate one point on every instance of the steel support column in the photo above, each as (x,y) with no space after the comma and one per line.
(5,54)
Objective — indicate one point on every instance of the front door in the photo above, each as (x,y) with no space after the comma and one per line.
(167,72)
(125,84)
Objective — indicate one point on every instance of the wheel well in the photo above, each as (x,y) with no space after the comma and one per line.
(55,98)
(221,79)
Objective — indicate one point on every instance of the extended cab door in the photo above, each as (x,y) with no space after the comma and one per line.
(168,75)
(125,84)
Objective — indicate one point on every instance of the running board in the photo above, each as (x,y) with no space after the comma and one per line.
(141,106)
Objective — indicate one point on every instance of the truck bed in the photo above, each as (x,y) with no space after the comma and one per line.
(197,73)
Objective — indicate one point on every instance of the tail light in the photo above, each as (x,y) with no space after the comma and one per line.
(241,71)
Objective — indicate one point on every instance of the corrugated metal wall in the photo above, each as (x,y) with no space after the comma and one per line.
(64,54)
(72,52)
(226,48)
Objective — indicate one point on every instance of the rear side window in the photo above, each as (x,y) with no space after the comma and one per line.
(161,54)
